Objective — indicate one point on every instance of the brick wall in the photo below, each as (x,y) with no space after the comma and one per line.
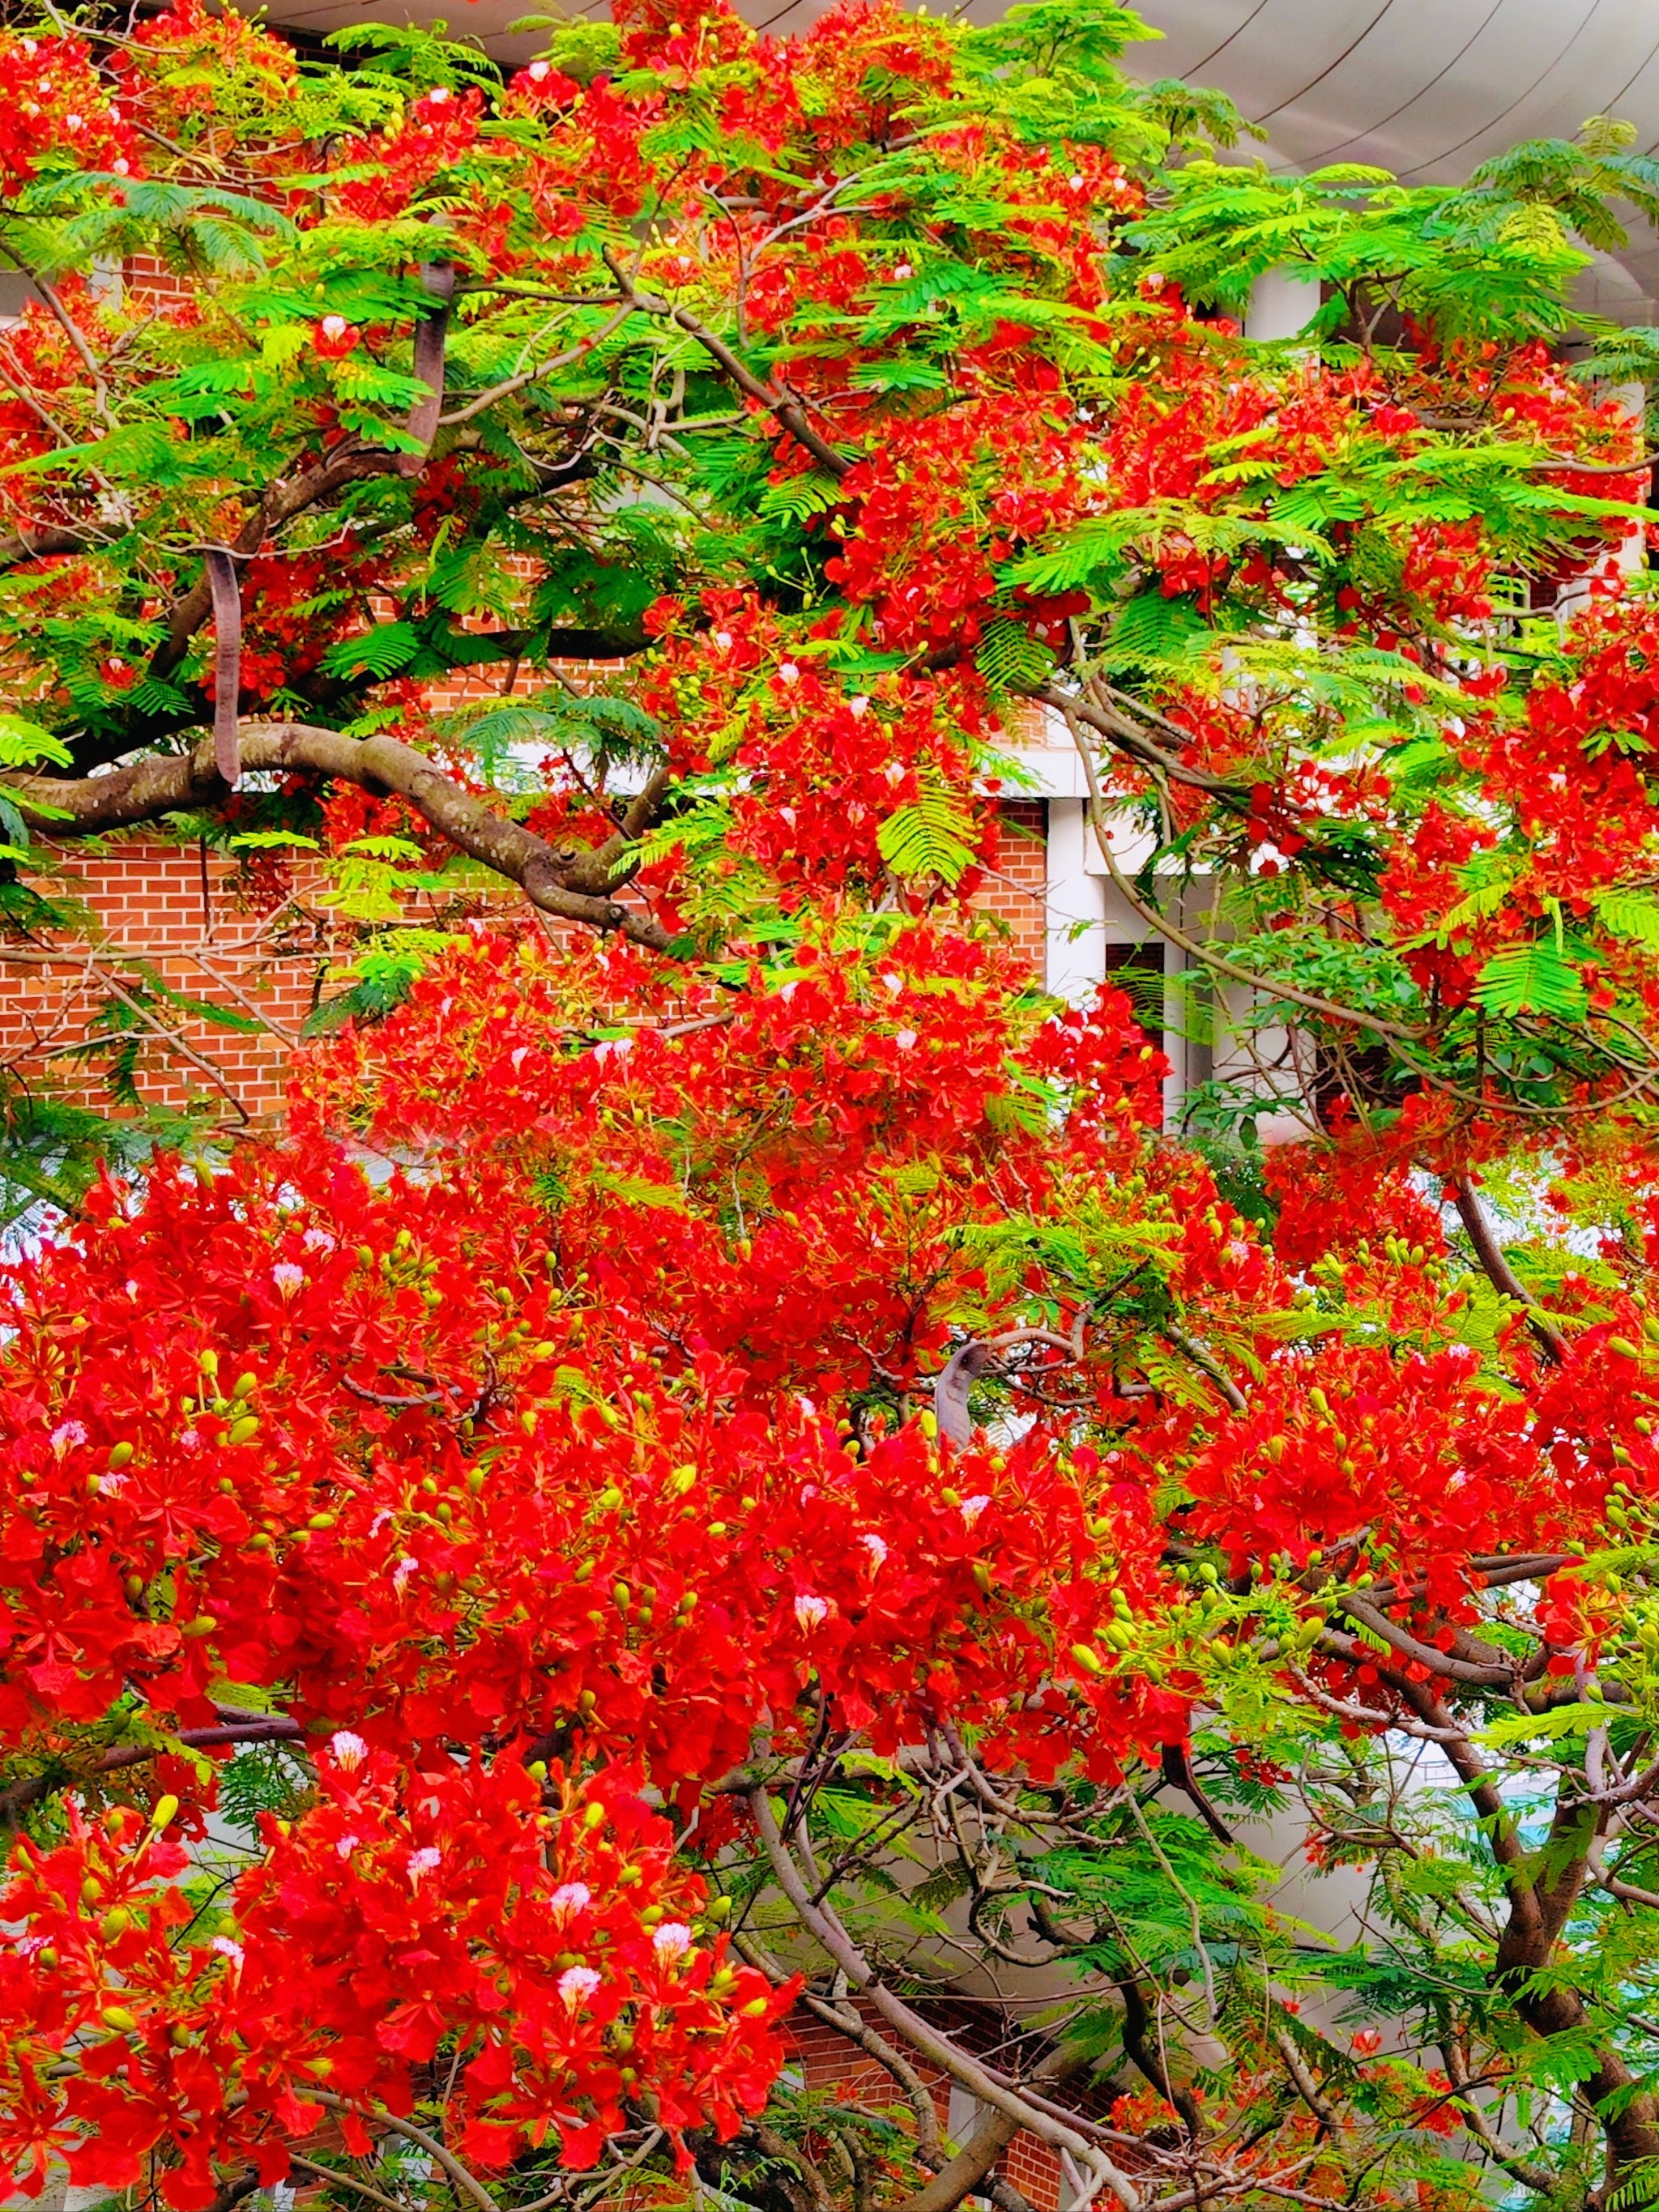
(178,917)
(190,919)
(1015,891)
(832,2066)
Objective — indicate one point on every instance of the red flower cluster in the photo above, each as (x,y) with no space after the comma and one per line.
(55,103)
(560,1948)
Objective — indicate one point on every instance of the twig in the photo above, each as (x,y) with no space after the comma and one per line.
(505,390)
(463,2178)
(1500,1274)
(785,405)
(991,2086)
(346,2181)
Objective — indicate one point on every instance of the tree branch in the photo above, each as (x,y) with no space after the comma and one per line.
(273,1728)
(160,785)
(992,2089)
(1499,1273)
(1347,1017)
(464,2179)
(992,2133)
(785,406)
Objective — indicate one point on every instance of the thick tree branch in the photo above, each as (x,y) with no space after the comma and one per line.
(160,785)
(992,2133)
(273,1728)
(19,546)
(1148,2059)
(1306,2087)
(1496,1672)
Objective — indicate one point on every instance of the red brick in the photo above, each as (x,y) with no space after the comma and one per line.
(147,901)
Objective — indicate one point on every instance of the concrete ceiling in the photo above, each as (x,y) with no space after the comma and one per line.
(1425,87)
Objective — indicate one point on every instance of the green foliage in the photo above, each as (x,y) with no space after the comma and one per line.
(272,1778)
(52,1151)
(931,837)
(1537,978)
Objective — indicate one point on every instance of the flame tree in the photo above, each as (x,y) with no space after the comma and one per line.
(724,1460)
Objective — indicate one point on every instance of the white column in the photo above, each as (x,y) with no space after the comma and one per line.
(1632,555)
(1075,915)
(1283,302)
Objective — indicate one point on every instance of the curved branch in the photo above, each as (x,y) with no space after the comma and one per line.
(1348,1016)
(956,1380)
(1201,1359)
(254,1728)
(1512,2161)
(1626,1892)
(990,2087)
(845,2021)
(336,2180)
(1499,1273)
(464,2179)
(1494,1673)
(163,784)
(1306,2087)
(482,402)
(1120,731)
(17,546)
(784,406)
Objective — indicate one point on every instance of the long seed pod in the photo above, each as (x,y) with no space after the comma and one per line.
(228,663)
(950,1389)
(431,336)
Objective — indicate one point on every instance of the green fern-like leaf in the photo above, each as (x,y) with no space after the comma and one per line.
(929,838)
(1633,914)
(1009,659)
(799,496)
(1532,978)
(270,1779)
(383,652)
